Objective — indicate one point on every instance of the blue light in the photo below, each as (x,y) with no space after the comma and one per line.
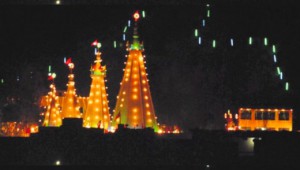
(129,23)
(199,40)
(231,42)
(203,22)
(124,37)
(281,75)
(275,58)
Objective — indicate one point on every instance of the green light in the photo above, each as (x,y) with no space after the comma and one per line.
(2,81)
(250,41)
(265,41)
(196,32)
(125,29)
(143,14)
(49,68)
(208,13)
(214,43)
(98,45)
(54,75)
(278,70)
(115,44)
(274,49)
(287,86)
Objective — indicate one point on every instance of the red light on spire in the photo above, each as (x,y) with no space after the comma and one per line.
(68,61)
(95,43)
(136,16)
(50,77)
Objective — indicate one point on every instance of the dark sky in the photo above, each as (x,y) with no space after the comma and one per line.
(191,85)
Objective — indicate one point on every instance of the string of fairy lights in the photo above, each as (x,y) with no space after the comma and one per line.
(265,41)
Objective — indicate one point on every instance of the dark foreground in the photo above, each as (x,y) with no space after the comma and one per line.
(73,145)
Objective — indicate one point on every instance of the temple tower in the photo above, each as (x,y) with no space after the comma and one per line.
(70,103)
(97,111)
(53,109)
(134,105)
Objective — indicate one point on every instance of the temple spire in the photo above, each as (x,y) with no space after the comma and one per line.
(134,106)
(136,45)
(97,112)
(70,103)
(52,115)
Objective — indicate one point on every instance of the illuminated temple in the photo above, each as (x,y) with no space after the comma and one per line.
(52,105)
(70,100)
(134,106)
(97,110)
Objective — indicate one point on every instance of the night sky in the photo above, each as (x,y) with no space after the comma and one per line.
(191,85)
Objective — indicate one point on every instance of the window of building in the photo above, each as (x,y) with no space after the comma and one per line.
(246,115)
(259,115)
(269,115)
(284,116)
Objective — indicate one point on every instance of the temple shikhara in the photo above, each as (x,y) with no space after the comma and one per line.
(70,100)
(52,105)
(134,102)
(97,110)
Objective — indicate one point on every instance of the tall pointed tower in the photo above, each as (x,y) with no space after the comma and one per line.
(70,104)
(52,115)
(97,111)
(134,102)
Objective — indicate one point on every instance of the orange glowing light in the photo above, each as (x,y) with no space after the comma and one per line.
(136,16)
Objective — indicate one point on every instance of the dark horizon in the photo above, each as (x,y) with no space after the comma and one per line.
(191,85)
